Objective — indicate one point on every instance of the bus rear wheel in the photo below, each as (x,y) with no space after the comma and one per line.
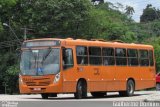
(130,88)
(98,94)
(81,90)
(44,96)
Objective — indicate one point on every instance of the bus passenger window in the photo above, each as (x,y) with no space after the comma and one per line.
(132,57)
(108,56)
(151,61)
(67,58)
(95,56)
(82,55)
(144,61)
(121,56)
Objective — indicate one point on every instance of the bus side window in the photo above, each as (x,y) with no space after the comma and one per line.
(82,55)
(108,56)
(144,60)
(95,56)
(67,58)
(132,57)
(121,58)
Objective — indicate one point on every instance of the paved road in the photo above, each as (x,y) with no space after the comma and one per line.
(139,96)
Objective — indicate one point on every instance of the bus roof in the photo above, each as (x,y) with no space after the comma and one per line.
(84,42)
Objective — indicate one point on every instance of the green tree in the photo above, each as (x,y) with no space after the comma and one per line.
(129,10)
(11,79)
(52,17)
(149,14)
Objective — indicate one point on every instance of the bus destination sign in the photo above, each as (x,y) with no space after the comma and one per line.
(41,43)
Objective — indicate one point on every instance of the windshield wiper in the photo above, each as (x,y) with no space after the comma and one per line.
(45,57)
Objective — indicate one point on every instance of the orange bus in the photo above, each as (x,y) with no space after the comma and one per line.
(51,66)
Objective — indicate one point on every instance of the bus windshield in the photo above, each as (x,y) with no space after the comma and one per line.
(40,61)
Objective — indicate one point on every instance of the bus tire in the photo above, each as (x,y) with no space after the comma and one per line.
(81,90)
(52,95)
(98,94)
(44,96)
(158,86)
(122,93)
(130,88)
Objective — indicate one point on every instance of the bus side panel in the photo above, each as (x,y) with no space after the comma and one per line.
(108,75)
(143,77)
(124,73)
(147,79)
(135,73)
(96,82)
(120,78)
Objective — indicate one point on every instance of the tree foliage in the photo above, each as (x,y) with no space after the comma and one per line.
(11,79)
(129,10)
(150,14)
(58,17)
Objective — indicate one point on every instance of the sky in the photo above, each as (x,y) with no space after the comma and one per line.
(138,6)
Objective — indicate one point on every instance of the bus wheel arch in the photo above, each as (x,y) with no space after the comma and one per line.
(130,88)
(81,89)
(133,81)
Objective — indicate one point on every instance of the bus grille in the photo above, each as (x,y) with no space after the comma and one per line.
(44,83)
(38,83)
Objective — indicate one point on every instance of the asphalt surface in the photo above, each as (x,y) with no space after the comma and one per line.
(138,96)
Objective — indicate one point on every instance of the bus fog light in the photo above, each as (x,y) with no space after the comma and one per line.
(57,78)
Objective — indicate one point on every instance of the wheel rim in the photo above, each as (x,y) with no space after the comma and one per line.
(80,90)
(130,88)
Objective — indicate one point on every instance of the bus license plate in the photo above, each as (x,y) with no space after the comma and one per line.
(37,89)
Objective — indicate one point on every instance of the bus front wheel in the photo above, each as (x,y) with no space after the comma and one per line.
(81,90)
(130,88)
(44,96)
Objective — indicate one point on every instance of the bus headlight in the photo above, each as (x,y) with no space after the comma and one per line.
(20,80)
(57,78)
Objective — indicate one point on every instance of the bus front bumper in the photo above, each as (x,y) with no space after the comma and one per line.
(53,88)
